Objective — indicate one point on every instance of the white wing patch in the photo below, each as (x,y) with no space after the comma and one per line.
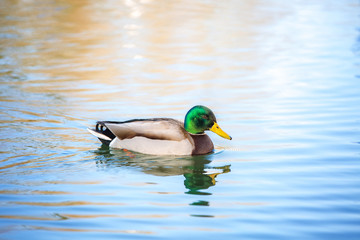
(99,135)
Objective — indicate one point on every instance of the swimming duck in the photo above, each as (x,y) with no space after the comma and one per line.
(162,136)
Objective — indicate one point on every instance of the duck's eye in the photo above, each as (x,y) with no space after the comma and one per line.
(205,116)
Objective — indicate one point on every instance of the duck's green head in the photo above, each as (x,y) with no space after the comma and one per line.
(199,119)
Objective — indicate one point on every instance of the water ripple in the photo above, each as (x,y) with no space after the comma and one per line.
(282,78)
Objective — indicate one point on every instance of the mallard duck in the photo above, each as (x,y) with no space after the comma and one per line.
(162,136)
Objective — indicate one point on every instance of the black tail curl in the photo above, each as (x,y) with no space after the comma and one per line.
(101,128)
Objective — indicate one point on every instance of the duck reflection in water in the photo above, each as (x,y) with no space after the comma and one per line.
(198,173)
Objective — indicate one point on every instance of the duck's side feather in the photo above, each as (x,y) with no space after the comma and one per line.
(158,136)
(154,146)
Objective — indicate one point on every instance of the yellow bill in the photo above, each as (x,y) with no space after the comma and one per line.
(216,129)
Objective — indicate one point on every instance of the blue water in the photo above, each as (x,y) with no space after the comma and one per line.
(282,78)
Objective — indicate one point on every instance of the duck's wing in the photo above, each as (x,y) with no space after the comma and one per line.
(155,128)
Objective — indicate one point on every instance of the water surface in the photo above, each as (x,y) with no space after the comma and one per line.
(281,77)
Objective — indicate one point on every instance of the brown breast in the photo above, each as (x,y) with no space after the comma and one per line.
(203,144)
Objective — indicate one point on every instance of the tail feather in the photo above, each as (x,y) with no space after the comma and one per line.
(102,133)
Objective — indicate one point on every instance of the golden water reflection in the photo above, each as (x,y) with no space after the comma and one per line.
(55,229)
(71,48)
